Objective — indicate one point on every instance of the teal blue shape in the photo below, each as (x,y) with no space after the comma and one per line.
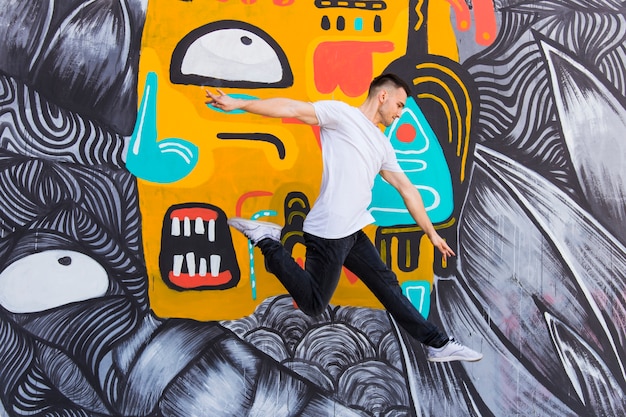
(358,23)
(160,161)
(253,281)
(418,293)
(243,96)
(423,161)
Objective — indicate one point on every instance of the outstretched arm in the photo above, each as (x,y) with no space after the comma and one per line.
(415,205)
(271,107)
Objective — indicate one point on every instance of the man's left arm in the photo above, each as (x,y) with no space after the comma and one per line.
(414,203)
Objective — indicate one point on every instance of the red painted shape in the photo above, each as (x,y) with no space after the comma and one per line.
(316,132)
(352,278)
(462,13)
(188,282)
(406,133)
(246,196)
(485,18)
(347,65)
(193,213)
(300,262)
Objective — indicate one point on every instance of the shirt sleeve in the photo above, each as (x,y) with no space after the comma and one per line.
(326,116)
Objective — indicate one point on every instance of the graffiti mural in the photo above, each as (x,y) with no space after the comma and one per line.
(547,200)
(123,292)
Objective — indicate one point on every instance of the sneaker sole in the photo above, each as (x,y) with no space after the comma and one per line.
(254,223)
(453,358)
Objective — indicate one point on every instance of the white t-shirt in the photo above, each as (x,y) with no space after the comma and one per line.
(354,151)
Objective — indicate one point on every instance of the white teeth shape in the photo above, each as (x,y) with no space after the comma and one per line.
(178,265)
(187,226)
(191,263)
(199,226)
(175,226)
(202,267)
(211,231)
(184,226)
(216,260)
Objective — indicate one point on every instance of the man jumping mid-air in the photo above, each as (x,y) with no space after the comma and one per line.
(354,151)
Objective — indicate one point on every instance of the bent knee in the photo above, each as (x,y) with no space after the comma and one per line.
(314,310)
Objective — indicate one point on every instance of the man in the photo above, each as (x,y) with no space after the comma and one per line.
(354,151)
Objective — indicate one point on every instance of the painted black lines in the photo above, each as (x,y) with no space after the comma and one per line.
(264,137)
(352,4)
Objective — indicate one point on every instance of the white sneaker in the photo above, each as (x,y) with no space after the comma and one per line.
(256,230)
(453,351)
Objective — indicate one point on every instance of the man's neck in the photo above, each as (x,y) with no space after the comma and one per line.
(370,110)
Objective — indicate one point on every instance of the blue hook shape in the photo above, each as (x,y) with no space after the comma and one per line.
(256,216)
(161,161)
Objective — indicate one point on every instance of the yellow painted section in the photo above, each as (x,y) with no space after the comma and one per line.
(227,169)
(441,37)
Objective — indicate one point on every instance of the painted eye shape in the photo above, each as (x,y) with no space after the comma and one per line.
(50,279)
(230,53)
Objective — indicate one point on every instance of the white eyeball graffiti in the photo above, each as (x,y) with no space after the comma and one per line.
(231,54)
(51,279)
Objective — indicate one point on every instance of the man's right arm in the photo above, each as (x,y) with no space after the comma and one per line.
(271,107)
(415,205)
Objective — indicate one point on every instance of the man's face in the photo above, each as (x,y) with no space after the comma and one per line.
(393,102)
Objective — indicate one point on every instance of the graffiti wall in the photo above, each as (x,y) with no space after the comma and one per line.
(123,292)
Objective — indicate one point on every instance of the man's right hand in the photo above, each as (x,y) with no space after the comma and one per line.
(221,100)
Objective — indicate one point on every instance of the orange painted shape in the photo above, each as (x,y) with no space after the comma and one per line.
(485,18)
(347,65)
(316,129)
(190,282)
(248,195)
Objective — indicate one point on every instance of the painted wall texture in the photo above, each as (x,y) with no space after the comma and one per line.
(124,293)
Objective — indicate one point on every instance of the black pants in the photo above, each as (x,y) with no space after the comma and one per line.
(313,287)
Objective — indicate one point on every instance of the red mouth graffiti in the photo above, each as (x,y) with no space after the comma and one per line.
(196,249)
(188,281)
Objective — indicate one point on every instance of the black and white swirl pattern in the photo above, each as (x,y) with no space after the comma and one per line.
(35,127)
(517,114)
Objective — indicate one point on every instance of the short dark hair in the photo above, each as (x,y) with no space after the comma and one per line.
(389,78)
